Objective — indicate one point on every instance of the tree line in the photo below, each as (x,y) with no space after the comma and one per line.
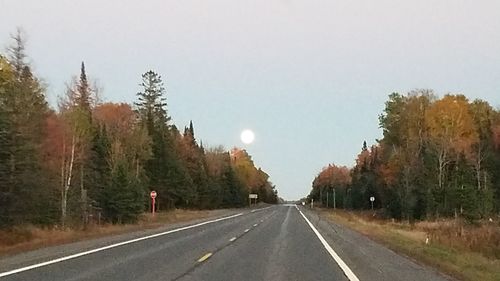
(89,159)
(438,157)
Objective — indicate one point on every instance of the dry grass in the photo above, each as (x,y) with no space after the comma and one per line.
(464,251)
(24,238)
(483,238)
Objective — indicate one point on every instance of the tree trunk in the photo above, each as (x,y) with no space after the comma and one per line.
(64,194)
(63,165)
(83,197)
(441,167)
(63,177)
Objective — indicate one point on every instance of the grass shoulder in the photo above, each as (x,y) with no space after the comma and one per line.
(464,251)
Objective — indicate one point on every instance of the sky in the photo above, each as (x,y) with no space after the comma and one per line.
(309,77)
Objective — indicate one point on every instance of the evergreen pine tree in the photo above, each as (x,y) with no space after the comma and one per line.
(123,199)
(25,110)
(6,190)
(84,92)
(100,169)
(165,171)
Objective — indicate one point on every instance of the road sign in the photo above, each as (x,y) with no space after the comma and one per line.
(153,205)
(252,196)
(372,198)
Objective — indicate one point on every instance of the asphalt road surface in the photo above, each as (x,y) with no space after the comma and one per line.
(275,243)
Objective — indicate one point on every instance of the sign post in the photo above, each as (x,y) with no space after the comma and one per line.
(371,200)
(253,196)
(153,197)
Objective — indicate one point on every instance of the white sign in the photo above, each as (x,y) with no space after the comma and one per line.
(253,196)
(153,194)
(372,198)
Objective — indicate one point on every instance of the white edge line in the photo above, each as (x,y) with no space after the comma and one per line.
(347,271)
(7,273)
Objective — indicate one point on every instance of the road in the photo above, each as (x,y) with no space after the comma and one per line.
(275,243)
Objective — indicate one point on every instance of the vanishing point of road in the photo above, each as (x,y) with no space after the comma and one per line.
(283,242)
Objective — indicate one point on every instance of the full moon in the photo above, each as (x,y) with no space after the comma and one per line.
(247,136)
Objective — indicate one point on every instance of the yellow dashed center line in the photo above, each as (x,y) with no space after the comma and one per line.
(205,257)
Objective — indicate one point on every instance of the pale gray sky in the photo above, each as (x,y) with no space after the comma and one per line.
(309,77)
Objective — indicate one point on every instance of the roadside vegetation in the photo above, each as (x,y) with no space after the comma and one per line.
(87,161)
(435,174)
(438,158)
(29,237)
(456,247)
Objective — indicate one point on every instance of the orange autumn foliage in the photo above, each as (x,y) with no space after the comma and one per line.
(333,175)
(118,118)
(451,127)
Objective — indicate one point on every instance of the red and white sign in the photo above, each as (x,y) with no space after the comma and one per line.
(153,207)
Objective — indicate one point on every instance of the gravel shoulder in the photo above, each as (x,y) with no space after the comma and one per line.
(368,259)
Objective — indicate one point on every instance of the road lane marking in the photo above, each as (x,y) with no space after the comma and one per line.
(256,210)
(247,230)
(232,239)
(205,257)
(7,273)
(255,225)
(347,271)
(261,220)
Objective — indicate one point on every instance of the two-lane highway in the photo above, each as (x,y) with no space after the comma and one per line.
(274,243)
(281,247)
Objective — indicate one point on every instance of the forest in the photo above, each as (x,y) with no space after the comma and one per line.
(438,157)
(86,159)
